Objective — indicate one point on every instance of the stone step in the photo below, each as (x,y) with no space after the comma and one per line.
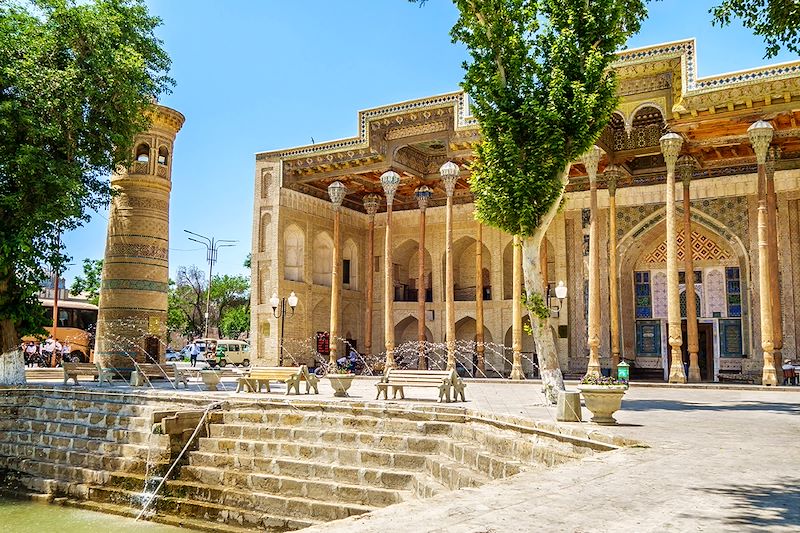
(453,475)
(254,500)
(93,461)
(304,469)
(97,404)
(70,429)
(333,436)
(313,489)
(247,451)
(477,458)
(529,448)
(81,444)
(333,420)
(53,414)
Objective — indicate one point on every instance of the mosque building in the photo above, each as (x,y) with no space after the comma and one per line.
(730,144)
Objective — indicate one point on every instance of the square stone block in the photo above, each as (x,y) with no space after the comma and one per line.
(568,408)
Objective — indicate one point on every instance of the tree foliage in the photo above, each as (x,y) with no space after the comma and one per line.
(89,282)
(75,81)
(777,21)
(230,301)
(542,90)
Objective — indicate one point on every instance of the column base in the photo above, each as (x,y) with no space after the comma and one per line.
(676,375)
(769,377)
(593,370)
(516,373)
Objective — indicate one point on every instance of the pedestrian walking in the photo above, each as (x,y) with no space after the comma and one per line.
(194,351)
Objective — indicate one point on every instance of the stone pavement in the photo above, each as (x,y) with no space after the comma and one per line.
(712,459)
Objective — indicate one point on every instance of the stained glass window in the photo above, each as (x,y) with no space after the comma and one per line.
(644,298)
(733,290)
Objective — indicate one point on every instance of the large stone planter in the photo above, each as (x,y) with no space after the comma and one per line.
(210,378)
(603,401)
(341,383)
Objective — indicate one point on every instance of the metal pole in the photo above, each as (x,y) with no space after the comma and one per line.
(210,270)
(283,322)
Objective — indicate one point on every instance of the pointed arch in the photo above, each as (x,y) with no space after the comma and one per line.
(321,259)
(350,265)
(293,253)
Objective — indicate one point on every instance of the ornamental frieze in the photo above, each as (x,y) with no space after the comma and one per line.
(134,285)
(646,84)
(419,129)
(145,251)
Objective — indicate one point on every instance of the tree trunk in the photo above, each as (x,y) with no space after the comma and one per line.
(12,361)
(552,379)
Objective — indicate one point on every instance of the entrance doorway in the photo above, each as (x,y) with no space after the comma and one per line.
(152,346)
(705,351)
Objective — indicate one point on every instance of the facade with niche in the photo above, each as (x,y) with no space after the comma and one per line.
(659,90)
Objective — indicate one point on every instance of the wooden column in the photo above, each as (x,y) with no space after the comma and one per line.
(671,147)
(590,160)
(516,312)
(371,202)
(772,241)
(612,174)
(337,192)
(760,136)
(422,193)
(449,172)
(480,349)
(390,181)
(686,164)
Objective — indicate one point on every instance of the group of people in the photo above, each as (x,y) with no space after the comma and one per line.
(790,376)
(41,354)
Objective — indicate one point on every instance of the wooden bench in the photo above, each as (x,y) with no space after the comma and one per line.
(258,377)
(444,380)
(146,371)
(73,370)
(728,377)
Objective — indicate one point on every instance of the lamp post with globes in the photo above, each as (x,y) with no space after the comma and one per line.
(276,302)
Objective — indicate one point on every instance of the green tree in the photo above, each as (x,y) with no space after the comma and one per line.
(89,283)
(542,89)
(235,321)
(187,302)
(777,21)
(76,79)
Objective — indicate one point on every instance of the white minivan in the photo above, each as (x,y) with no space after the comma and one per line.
(229,351)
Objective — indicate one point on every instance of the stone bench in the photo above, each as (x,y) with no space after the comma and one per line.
(146,371)
(258,377)
(738,377)
(444,380)
(73,370)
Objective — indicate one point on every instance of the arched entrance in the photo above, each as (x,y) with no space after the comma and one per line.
(719,281)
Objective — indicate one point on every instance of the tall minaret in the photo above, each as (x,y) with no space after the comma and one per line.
(133,293)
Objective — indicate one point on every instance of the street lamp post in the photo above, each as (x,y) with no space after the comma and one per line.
(212,246)
(276,302)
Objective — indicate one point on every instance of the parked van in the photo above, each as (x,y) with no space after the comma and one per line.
(229,351)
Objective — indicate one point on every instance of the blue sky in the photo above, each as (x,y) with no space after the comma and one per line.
(263,75)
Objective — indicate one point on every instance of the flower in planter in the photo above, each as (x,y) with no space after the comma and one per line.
(602,380)
(340,371)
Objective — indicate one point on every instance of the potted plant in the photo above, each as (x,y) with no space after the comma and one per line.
(210,377)
(340,379)
(603,397)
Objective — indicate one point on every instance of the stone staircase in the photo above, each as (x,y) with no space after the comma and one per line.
(275,465)
(288,467)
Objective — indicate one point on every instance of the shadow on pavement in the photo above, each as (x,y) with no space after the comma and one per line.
(772,507)
(732,406)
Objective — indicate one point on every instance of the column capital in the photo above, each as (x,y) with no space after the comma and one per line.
(612,174)
(449,172)
(371,204)
(760,133)
(423,194)
(590,160)
(337,191)
(671,146)
(390,180)
(686,165)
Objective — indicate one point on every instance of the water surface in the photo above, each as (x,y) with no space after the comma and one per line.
(20,516)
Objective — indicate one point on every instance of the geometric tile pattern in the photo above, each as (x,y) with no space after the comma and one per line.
(703,249)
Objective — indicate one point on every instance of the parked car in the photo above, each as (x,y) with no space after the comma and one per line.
(173,356)
(229,351)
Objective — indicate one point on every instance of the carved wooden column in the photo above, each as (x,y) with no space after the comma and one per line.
(686,165)
(337,192)
(423,194)
(449,172)
(612,174)
(772,237)
(590,161)
(371,203)
(760,136)
(516,311)
(479,346)
(390,180)
(671,147)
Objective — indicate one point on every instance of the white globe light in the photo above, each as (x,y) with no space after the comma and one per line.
(561,290)
(274,301)
(293,300)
